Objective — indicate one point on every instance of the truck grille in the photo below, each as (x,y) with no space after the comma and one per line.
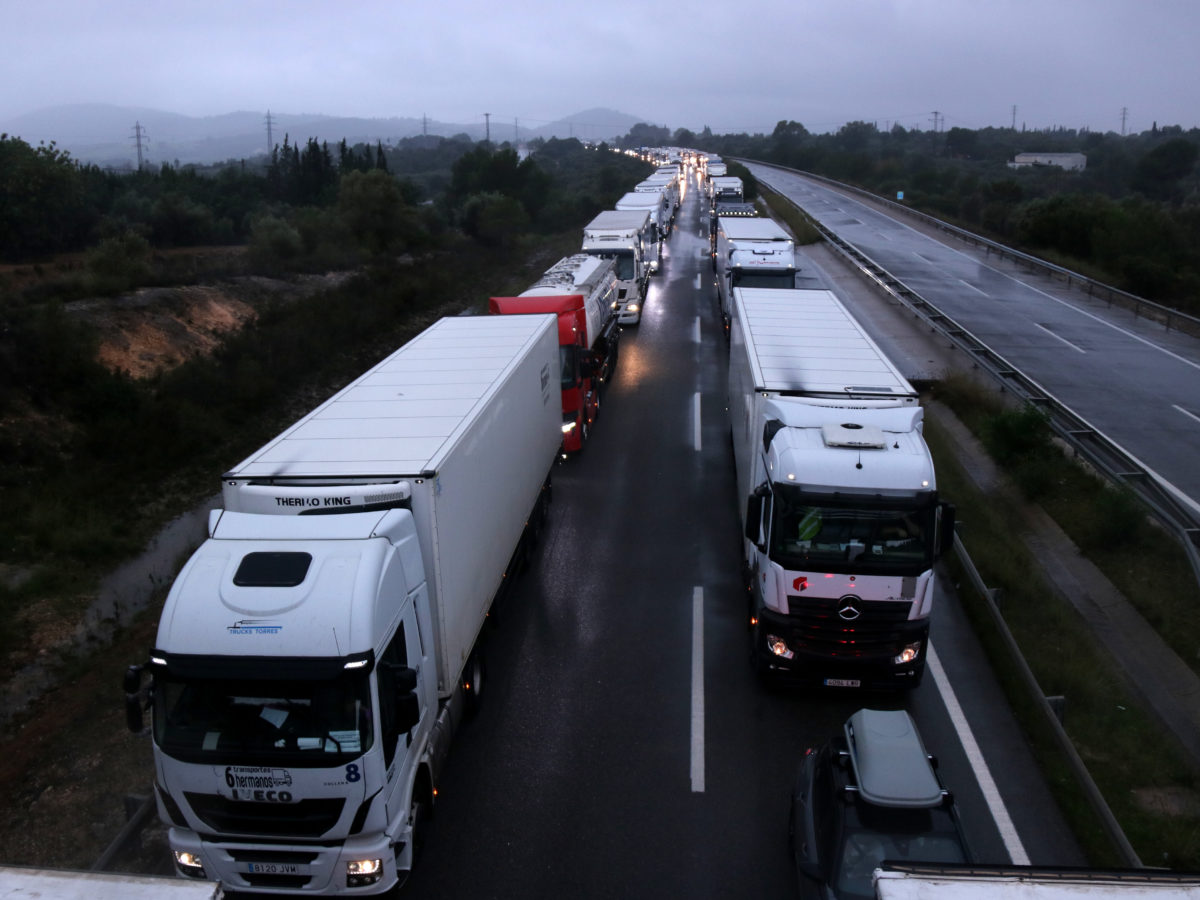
(881,628)
(305,818)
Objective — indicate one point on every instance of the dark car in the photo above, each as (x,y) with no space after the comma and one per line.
(866,796)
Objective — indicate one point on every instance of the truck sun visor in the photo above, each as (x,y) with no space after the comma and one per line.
(272,569)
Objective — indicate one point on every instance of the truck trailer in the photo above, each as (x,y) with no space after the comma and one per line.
(654,202)
(752,253)
(580,291)
(28,883)
(317,651)
(627,237)
(838,501)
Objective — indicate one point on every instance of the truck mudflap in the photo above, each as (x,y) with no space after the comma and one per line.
(873,656)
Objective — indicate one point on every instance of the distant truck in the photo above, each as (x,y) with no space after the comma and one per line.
(751,252)
(317,651)
(654,202)
(726,188)
(838,501)
(627,237)
(929,881)
(669,181)
(581,291)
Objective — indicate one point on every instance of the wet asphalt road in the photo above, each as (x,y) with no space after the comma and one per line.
(624,748)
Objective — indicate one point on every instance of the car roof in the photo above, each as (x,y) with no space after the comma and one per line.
(889,760)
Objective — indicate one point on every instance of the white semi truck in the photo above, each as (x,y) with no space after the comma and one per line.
(317,651)
(669,181)
(628,237)
(838,501)
(655,203)
(752,253)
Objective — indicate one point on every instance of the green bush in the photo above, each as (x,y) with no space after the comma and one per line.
(1013,437)
(494,219)
(119,263)
(274,242)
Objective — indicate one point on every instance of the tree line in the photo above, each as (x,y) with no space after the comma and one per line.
(305,205)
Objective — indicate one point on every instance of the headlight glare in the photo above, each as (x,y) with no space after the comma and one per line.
(189,864)
(778,646)
(908,654)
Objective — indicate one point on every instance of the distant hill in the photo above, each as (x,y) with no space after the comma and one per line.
(105,134)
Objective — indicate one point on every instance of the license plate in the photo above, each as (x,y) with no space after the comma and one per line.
(268,868)
(842,682)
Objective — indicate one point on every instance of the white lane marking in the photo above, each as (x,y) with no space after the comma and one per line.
(698,690)
(975,289)
(1186,413)
(1004,824)
(696,330)
(696,421)
(1059,337)
(696,282)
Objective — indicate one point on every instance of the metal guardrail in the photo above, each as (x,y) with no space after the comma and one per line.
(1100,807)
(1169,506)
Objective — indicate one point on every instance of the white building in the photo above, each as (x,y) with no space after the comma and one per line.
(1072,162)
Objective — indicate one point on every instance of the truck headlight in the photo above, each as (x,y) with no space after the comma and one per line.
(189,864)
(779,647)
(361,872)
(908,654)
(632,307)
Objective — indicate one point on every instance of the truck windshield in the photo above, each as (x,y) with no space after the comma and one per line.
(758,278)
(316,723)
(834,535)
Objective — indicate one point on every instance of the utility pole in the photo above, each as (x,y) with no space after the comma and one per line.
(1014,119)
(270,134)
(138,134)
(424,125)
(516,132)
(487,118)
(1124,114)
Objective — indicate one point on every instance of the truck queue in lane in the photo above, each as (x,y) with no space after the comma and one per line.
(316,654)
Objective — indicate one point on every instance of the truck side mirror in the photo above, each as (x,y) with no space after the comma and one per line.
(947,526)
(132,682)
(753,516)
(399,684)
(408,712)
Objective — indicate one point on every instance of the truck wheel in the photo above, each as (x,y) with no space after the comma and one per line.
(473,679)
(419,815)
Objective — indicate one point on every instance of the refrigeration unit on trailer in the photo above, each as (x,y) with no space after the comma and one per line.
(627,237)
(751,252)
(839,507)
(580,290)
(316,652)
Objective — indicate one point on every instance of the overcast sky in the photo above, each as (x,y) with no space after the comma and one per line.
(737,65)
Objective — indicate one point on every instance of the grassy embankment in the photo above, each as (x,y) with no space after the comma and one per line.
(1143,774)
